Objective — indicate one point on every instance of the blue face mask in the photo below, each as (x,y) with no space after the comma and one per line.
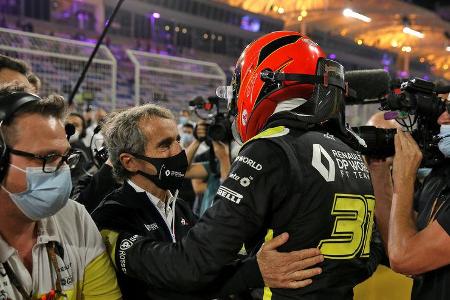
(423,172)
(444,143)
(186,139)
(183,120)
(46,193)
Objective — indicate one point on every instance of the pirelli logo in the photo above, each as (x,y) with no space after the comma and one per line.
(229,194)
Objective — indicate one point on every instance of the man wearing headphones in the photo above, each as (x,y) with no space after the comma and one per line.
(49,245)
(298,173)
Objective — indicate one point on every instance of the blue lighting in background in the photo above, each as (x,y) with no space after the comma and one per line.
(250,23)
(332,56)
(386,60)
(156,15)
(403,74)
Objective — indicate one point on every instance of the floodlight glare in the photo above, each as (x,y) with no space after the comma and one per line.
(413,32)
(349,13)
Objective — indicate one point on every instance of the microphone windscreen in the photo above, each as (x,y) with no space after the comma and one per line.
(368,84)
(70,130)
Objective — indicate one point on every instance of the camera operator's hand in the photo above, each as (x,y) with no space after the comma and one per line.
(287,269)
(406,160)
(221,150)
(200,131)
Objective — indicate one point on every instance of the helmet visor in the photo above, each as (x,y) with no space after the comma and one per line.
(327,100)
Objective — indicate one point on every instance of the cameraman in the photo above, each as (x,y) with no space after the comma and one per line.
(384,283)
(213,170)
(415,227)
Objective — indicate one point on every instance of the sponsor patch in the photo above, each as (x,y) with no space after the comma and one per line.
(229,194)
(327,173)
(255,165)
(234,176)
(245,181)
(351,165)
(151,227)
(122,258)
(174,174)
(125,245)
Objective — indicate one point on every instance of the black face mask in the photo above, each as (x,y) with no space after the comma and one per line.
(170,170)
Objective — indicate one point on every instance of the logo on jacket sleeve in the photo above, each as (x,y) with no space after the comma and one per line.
(125,244)
(151,227)
(255,165)
(229,194)
(327,173)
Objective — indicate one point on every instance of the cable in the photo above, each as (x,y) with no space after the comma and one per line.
(94,52)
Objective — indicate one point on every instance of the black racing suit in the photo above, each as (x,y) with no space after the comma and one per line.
(434,193)
(309,184)
(126,214)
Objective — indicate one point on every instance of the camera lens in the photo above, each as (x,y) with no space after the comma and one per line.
(217,132)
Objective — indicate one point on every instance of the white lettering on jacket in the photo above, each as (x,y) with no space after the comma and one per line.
(255,165)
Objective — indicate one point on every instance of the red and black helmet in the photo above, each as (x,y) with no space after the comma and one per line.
(277,67)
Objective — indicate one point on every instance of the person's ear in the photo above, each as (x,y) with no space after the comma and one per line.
(129,162)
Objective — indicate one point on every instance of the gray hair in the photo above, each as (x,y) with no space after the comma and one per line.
(123,134)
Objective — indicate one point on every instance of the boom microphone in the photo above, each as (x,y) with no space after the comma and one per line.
(370,86)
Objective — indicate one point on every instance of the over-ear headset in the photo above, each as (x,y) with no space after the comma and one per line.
(9,104)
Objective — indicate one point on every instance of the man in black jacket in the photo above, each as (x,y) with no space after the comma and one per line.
(143,144)
(296,173)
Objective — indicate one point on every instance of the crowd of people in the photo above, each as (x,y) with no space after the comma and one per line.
(143,204)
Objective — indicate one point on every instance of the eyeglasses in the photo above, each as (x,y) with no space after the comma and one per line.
(50,161)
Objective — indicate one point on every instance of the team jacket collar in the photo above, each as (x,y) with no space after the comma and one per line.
(139,199)
(155,200)
(127,196)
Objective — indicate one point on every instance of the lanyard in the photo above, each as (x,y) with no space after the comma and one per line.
(51,252)
(52,257)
